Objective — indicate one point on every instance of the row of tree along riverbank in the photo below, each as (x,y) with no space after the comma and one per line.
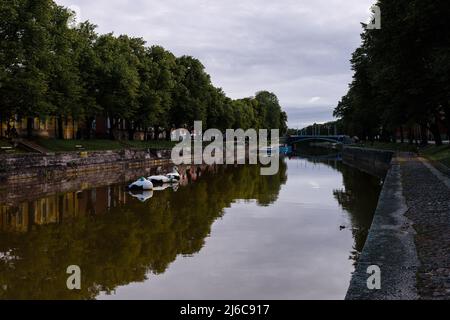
(69,82)
(401,82)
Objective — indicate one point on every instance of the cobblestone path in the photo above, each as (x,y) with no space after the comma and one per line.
(427,195)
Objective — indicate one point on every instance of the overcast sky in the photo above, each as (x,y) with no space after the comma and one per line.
(298,49)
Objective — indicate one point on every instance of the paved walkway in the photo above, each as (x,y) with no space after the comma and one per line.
(427,195)
(410,236)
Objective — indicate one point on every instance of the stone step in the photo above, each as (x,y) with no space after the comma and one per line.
(32,146)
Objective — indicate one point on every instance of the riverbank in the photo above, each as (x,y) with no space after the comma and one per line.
(440,155)
(30,168)
(409,238)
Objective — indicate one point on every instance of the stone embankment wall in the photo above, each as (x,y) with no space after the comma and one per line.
(29,168)
(390,244)
(372,161)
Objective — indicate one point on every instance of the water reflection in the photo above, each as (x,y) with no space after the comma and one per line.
(115,238)
(358,197)
(118,238)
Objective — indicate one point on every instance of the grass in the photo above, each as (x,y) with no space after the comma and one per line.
(402,147)
(440,154)
(56,145)
(160,144)
(4,143)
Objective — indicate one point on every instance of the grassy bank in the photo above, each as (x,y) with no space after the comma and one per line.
(440,154)
(390,146)
(4,143)
(55,145)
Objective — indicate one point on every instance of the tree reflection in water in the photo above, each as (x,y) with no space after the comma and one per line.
(360,199)
(113,237)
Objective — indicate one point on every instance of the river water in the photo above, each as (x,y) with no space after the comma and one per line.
(224,233)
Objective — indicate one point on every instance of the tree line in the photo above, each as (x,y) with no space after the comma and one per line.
(52,68)
(401,74)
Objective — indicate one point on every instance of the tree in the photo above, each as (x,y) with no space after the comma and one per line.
(157,85)
(117,78)
(87,62)
(65,89)
(51,69)
(190,93)
(270,113)
(25,58)
(401,77)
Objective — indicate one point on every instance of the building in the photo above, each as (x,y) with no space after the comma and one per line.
(49,127)
(42,127)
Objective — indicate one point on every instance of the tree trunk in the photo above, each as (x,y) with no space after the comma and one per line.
(131,133)
(55,127)
(74,133)
(60,128)
(88,126)
(157,133)
(385,136)
(402,136)
(434,128)
(131,130)
(424,134)
(447,120)
(410,136)
(30,127)
(112,129)
(169,134)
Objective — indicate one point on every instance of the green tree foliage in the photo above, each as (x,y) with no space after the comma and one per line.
(190,101)
(87,62)
(49,68)
(26,57)
(401,73)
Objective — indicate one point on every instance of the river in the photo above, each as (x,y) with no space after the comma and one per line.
(225,233)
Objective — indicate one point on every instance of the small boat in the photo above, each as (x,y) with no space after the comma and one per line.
(161,179)
(141,184)
(166,186)
(175,175)
(285,150)
(142,196)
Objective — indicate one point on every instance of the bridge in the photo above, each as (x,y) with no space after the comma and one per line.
(332,138)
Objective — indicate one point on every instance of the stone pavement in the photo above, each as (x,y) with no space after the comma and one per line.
(410,236)
(427,195)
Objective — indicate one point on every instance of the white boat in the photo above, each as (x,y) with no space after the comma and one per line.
(141,184)
(175,175)
(166,186)
(142,196)
(161,179)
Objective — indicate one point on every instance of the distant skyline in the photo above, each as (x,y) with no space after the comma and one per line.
(298,49)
